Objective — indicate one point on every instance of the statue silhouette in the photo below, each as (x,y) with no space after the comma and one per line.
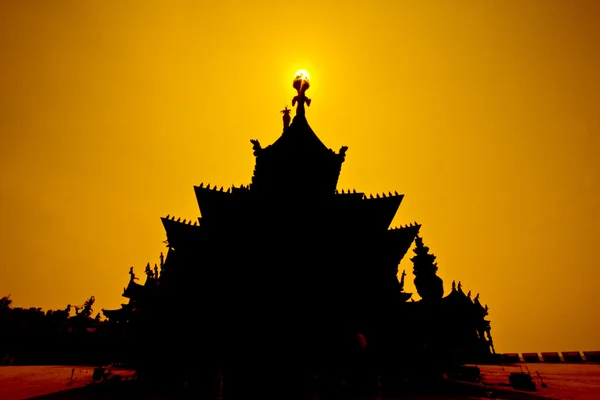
(286,118)
(132,274)
(301,84)
(402,280)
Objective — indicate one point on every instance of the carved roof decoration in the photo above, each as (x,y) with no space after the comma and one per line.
(219,204)
(478,307)
(180,232)
(399,239)
(134,290)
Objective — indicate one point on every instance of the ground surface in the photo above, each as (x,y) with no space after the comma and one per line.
(564,381)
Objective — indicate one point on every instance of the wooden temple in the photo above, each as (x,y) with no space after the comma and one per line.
(289,280)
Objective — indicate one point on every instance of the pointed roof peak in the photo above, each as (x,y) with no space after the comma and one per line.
(298,161)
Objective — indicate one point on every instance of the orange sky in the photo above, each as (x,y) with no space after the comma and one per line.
(485,114)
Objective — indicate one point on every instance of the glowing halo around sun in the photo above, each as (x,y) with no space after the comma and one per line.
(301,80)
(302,74)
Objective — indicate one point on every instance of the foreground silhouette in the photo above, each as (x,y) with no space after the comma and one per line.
(291,285)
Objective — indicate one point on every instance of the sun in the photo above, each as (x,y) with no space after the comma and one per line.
(301,81)
(302,74)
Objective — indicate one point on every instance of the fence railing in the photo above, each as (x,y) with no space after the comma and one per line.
(551,357)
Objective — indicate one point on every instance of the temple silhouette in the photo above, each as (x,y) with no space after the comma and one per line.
(288,283)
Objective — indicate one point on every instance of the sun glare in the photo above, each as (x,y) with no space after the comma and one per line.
(302,74)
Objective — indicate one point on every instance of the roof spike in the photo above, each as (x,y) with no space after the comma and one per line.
(184,220)
(390,194)
(343,191)
(179,219)
(395,193)
(168,215)
(201,185)
(377,195)
(208,186)
(220,190)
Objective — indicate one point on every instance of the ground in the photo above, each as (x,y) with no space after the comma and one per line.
(564,381)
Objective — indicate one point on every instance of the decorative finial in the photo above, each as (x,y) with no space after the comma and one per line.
(301,84)
(286,117)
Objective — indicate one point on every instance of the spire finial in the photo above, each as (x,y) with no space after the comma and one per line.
(301,84)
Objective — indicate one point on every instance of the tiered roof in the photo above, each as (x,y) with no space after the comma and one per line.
(298,162)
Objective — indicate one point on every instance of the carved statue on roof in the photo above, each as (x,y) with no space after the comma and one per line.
(402,280)
(162,259)
(343,152)
(155,271)
(454,286)
(132,274)
(301,84)
(286,117)
(255,146)
(488,331)
(149,272)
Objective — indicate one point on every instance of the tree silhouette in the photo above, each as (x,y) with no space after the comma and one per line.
(5,302)
(87,310)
